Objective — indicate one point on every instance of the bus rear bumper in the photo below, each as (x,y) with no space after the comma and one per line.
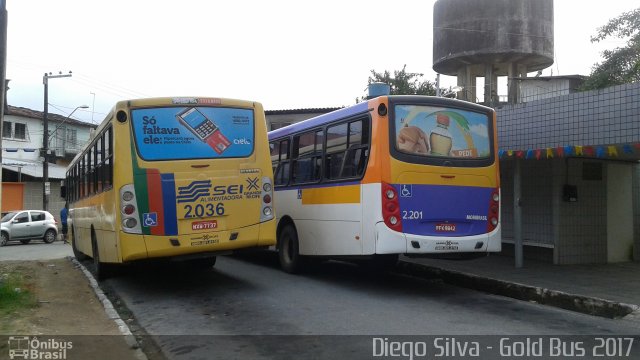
(393,242)
(136,247)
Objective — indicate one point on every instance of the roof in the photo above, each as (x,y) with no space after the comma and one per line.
(301,111)
(34,114)
(33,168)
(549,78)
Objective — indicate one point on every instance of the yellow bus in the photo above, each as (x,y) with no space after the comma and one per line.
(392,175)
(186,178)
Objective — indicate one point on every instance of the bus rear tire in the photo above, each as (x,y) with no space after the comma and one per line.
(288,250)
(77,253)
(203,263)
(103,271)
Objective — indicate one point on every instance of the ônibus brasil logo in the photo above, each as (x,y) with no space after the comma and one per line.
(24,347)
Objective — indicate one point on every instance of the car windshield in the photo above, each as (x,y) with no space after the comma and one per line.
(8,216)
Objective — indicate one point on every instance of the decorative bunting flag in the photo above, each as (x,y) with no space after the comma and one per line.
(599,151)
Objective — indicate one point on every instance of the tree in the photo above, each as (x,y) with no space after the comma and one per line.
(403,83)
(621,65)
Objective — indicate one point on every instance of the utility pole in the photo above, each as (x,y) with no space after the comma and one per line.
(46,186)
(3,75)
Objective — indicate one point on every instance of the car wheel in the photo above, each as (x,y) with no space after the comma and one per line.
(4,239)
(25,241)
(49,236)
(288,250)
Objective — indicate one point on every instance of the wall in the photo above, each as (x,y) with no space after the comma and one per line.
(577,231)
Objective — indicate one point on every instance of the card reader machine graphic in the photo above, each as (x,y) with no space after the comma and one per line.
(204,129)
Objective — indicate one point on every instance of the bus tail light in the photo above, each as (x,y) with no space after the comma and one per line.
(129,210)
(494,210)
(266,212)
(391,207)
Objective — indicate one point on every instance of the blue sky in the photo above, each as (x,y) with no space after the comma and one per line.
(285,54)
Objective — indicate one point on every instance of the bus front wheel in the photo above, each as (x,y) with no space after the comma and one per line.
(288,250)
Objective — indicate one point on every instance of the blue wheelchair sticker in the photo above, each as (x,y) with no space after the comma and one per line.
(150,219)
(405,190)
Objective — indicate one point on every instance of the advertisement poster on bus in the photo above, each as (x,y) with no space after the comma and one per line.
(174,133)
(432,131)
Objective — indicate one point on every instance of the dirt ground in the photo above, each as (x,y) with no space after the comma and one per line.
(67,308)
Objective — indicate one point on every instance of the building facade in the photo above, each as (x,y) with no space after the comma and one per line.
(22,157)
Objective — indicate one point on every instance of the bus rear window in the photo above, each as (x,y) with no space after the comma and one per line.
(175,133)
(440,132)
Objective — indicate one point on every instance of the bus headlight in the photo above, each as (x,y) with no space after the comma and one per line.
(266,187)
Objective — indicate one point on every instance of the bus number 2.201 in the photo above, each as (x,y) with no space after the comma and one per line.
(412,215)
(202,210)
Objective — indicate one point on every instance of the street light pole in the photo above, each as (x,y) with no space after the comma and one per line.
(64,121)
(46,187)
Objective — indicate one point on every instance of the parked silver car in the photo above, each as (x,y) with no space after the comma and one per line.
(25,225)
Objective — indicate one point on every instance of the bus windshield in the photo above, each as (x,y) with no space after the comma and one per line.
(177,133)
(442,132)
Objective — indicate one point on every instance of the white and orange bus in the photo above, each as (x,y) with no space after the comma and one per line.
(412,175)
(183,178)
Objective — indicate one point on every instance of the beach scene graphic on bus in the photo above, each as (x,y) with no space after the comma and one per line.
(433,131)
(193,132)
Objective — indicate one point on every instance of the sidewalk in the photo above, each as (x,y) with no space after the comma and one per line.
(609,290)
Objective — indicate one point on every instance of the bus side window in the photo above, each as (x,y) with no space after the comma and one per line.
(347,149)
(280,161)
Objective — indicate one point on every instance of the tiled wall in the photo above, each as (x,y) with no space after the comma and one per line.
(578,230)
(583,224)
(598,117)
(636,212)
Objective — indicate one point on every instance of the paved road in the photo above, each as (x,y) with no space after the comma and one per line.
(250,296)
(35,250)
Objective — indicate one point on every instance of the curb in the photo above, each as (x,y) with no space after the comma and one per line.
(111,312)
(579,303)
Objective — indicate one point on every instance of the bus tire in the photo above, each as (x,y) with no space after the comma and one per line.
(80,256)
(203,263)
(103,271)
(384,262)
(288,250)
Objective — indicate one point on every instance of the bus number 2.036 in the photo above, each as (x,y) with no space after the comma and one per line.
(202,210)
(411,215)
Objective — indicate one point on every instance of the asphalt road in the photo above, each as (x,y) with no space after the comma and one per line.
(35,250)
(233,310)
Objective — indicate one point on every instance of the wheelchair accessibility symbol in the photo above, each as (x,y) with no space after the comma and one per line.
(405,191)
(150,219)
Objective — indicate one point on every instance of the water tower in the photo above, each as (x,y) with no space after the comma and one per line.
(491,38)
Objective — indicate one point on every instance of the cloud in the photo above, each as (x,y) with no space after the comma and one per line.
(480,130)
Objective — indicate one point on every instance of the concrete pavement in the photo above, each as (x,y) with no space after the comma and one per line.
(609,290)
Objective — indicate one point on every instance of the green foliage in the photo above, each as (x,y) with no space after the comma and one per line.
(403,82)
(621,65)
(14,294)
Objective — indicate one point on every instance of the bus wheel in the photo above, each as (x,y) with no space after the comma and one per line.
(204,263)
(385,262)
(288,251)
(103,271)
(77,253)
